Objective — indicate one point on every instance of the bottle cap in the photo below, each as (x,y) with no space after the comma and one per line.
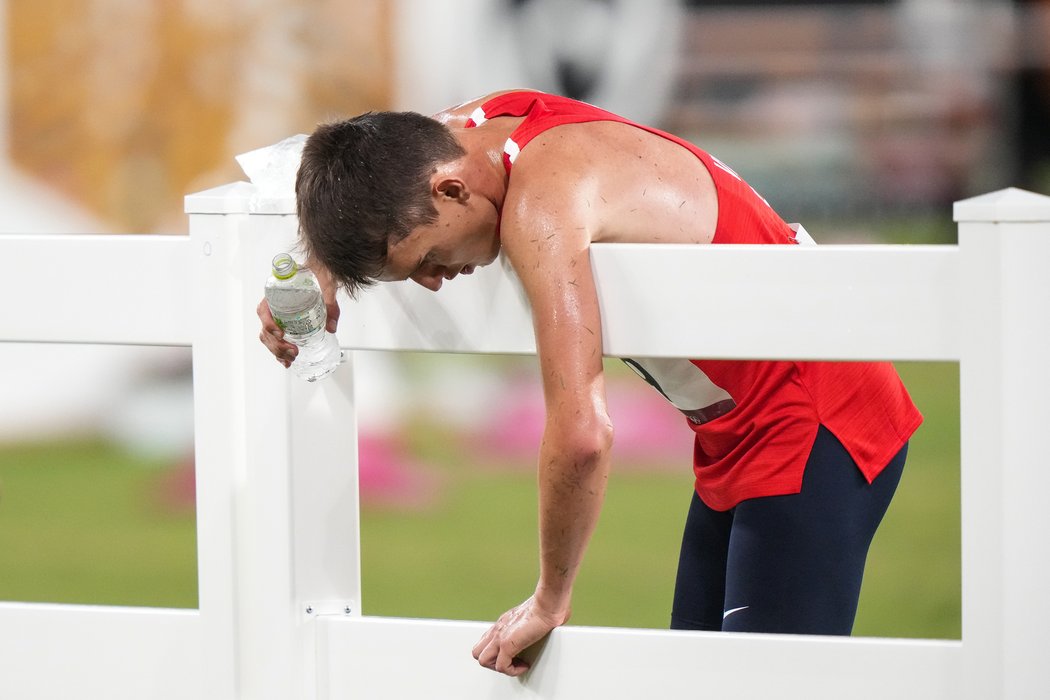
(284,266)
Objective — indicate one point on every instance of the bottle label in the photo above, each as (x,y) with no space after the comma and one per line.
(305,322)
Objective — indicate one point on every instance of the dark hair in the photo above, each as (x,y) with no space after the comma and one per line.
(363,182)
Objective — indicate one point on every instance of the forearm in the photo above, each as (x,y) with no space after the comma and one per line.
(572,480)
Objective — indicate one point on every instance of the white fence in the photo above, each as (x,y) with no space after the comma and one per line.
(277,510)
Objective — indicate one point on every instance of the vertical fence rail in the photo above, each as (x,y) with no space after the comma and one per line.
(277,468)
(1004,244)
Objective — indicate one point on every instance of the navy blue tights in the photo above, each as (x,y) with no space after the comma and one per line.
(788,564)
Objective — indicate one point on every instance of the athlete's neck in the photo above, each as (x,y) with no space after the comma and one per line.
(483,163)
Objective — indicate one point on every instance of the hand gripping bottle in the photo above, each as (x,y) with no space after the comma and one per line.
(298,308)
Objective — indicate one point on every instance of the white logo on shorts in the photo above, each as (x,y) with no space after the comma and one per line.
(727,613)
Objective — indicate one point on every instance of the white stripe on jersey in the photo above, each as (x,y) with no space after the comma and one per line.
(725,167)
(512,150)
(478,116)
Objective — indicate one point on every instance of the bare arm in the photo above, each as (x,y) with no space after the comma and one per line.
(551,259)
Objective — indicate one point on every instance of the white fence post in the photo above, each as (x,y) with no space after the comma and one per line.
(276,466)
(1004,245)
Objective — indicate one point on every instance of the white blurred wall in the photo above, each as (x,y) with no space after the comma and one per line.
(452,51)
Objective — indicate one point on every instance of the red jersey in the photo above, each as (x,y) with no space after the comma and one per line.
(754,421)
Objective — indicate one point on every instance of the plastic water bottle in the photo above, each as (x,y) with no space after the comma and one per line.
(297,306)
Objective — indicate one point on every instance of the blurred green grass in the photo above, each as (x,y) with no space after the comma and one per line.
(82,522)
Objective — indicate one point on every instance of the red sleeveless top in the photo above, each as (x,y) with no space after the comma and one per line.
(754,421)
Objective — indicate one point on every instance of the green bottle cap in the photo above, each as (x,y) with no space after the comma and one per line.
(284,266)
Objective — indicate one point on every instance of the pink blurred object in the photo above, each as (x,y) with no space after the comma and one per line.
(175,489)
(650,433)
(390,478)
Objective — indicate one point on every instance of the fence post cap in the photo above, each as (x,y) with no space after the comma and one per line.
(1011,204)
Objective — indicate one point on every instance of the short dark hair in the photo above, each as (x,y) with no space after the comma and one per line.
(364,182)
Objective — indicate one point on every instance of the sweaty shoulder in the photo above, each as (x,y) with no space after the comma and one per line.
(623,183)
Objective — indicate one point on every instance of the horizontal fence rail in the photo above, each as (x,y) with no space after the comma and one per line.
(882,302)
(120,289)
(117,653)
(581,662)
(885,302)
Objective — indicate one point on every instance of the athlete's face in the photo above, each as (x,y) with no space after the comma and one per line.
(463,238)
(432,254)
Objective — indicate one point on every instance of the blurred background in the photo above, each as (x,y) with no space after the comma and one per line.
(864,120)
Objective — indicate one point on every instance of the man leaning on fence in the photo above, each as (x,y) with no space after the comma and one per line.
(795,462)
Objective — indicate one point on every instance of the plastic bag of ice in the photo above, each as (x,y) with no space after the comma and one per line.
(272,169)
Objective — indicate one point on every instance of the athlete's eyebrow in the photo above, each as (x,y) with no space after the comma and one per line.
(419,266)
(392,275)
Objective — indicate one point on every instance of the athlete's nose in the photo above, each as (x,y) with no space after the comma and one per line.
(432,282)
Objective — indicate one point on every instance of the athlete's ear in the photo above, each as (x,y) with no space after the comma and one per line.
(451,188)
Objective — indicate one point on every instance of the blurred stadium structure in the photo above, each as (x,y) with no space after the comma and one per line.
(111,111)
(853,108)
(122,107)
(868,108)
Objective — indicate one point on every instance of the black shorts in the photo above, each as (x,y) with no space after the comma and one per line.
(788,564)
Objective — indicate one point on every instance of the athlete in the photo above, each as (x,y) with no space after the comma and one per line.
(795,463)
